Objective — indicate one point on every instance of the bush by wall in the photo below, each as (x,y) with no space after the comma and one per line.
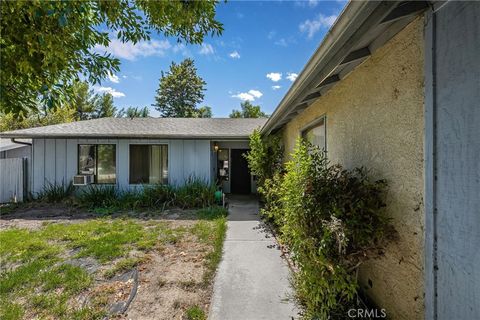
(331,220)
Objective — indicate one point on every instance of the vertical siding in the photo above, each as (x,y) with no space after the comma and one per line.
(56,160)
(38,174)
(50,160)
(60,161)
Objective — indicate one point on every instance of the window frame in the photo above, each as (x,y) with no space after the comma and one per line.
(95,174)
(160,143)
(313,124)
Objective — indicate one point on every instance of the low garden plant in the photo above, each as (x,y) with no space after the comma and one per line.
(331,220)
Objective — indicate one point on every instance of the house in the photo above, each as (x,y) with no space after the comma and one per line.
(131,152)
(395,87)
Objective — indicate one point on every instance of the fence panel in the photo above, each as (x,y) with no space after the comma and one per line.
(11,180)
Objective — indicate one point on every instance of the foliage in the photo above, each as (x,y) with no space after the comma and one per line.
(204,112)
(265,157)
(248,110)
(332,220)
(180,91)
(133,112)
(195,193)
(98,196)
(9,122)
(195,313)
(46,45)
(55,192)
(82,104)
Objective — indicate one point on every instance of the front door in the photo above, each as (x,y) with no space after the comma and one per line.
(240,174)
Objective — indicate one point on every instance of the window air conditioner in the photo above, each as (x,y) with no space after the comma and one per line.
(82,180)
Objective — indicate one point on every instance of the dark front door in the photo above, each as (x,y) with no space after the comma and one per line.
(240,182)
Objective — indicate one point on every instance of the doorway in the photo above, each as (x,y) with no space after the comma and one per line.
(240,173)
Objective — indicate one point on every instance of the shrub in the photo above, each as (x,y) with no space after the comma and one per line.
(265,157)
(195,193)
(99,196)
(54,192)
(332,220)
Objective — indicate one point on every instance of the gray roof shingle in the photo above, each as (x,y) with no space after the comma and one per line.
(174,128)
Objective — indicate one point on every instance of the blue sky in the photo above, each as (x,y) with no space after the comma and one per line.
(263,46)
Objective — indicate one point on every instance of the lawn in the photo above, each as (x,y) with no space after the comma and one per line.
(90,268)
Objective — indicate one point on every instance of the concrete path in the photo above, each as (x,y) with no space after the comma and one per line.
(252,279)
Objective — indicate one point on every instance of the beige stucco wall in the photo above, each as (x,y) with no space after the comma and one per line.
(375,119)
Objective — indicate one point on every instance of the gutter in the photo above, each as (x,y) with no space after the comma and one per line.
(350,20)
(20,142)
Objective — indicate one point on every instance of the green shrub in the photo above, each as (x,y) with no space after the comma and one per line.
(195,193)
(265,157)
(95,196)
(53,192)
(331,220)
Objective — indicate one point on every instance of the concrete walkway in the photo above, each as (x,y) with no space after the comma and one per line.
(252,279)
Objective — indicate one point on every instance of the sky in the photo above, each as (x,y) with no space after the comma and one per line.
(264,46)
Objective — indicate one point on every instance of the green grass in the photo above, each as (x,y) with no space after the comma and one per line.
(36,280)
(195,313)
(211,229)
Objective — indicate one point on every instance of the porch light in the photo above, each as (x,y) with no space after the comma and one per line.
(215,147)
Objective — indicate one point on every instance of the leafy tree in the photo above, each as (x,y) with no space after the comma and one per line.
(46,45)
(248,110)
(133,112)
(104,106)
(205,112)
(180,91)
(10,121)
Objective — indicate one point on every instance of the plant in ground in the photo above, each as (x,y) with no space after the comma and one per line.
(195,313)
(332,220)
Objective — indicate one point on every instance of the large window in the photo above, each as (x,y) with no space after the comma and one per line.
(99,160)
(148,164)
(316,133)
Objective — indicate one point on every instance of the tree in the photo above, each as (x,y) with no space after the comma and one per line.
(180,91)
(248,110)
(133,112)
(104,106)
(204,112)
(46,45)
(9,121)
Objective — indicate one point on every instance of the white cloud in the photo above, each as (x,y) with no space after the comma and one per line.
(131,51)
(274,76)
(292,76)
(251,95)
(281,42)
(271,34)
(276,87)
(234,55)
(310,3)
(113,78)
(110,90)
(124,77)
(206,49)
(312,26)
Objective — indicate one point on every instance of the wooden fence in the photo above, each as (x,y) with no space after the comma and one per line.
(12,179)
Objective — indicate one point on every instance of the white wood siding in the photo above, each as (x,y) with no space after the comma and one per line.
(55,160)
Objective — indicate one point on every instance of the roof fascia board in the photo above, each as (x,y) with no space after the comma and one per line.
(356,19)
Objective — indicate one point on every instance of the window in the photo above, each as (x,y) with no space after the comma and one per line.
(316,133)
(148,164)
(99,160)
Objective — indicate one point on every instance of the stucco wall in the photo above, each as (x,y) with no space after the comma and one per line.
(375,119)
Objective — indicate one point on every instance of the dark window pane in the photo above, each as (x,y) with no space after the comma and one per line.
(106,164)
(86,159)
(148,164)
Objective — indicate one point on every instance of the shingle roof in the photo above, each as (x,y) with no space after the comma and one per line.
(199,128)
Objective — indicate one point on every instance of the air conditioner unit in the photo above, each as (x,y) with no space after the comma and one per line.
(82,180)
